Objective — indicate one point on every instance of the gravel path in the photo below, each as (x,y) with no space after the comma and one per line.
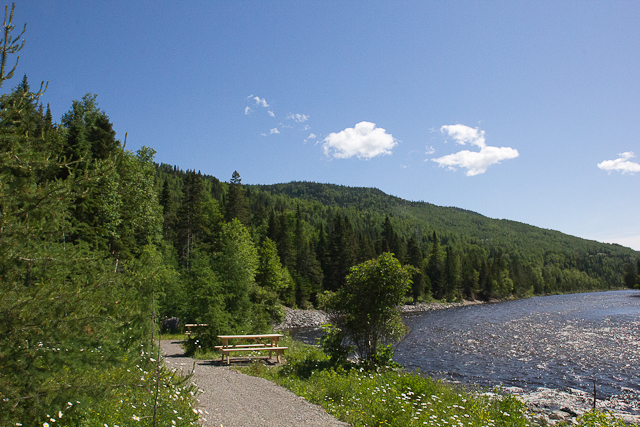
(231,399)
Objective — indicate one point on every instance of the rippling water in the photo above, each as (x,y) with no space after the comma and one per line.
(556,342)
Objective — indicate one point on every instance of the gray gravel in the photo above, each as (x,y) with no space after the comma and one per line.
(228,398)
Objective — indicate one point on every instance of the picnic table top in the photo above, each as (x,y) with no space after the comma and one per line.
(251,336)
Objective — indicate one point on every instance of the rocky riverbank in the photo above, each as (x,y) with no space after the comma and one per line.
(302,319)
(547,406)
(550,406)
(315,318)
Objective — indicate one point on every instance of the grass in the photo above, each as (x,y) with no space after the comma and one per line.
(174,337)
(395,398)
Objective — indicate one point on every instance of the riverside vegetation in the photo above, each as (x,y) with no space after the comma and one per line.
(98,243)
(388,396)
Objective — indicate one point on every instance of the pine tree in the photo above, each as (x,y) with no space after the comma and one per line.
(58,297)
(322,254)
(342,252)
(390,241)
(435,269)
(237,204)
(452,275)
(414,258)
(190,216)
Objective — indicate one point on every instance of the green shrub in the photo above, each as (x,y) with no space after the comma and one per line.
(334,343)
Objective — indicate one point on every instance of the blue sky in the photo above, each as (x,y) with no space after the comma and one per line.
(528,111)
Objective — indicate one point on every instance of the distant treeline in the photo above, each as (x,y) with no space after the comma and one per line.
(319,231)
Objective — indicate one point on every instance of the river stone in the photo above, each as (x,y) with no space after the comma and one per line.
(559,415)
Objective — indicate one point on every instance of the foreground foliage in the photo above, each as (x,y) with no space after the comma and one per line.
(136,393)
(388,397)
(80,270)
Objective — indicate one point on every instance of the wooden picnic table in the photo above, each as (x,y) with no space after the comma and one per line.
(257,342)
(193,325)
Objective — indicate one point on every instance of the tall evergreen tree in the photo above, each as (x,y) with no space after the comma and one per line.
(342,252)
(65,303)
(452,275)
(390,242)
(284,240)
(414,258)
(237,204)
(322,253)
(190,216)
(435,269)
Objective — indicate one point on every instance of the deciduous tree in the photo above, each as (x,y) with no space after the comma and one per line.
(365,309)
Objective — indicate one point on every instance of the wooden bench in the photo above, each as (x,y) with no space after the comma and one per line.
(260,342)
(193,325)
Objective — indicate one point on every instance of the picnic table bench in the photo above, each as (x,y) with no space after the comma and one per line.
(259,342)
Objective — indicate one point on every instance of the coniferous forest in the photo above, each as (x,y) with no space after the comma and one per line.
(98,243)
(306,236)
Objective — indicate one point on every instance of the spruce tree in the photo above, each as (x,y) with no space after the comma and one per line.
(435,269)
(414,258)
(237,204)
(190,216)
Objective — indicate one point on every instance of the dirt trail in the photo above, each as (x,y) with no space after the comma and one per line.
(231,399)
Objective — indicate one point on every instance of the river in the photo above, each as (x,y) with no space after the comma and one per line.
(555,342)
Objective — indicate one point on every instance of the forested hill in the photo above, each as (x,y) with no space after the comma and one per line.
(320,230)
(466,224)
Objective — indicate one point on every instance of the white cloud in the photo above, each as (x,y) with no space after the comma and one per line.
(271,113)
(247,111)
(621,164)
(261,102)
(430,150)
(300,118)
(364,140)
(312,136)
(475,162)
(464,134)
(274,131)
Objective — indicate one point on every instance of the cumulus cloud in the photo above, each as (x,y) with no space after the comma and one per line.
(247,111)
(364,140)
(300,118)
(476,162)
(271,113)
(274,131)
(621,164)
(430,150)
(464,134)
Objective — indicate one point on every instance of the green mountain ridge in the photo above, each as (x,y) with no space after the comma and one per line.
(443,218)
